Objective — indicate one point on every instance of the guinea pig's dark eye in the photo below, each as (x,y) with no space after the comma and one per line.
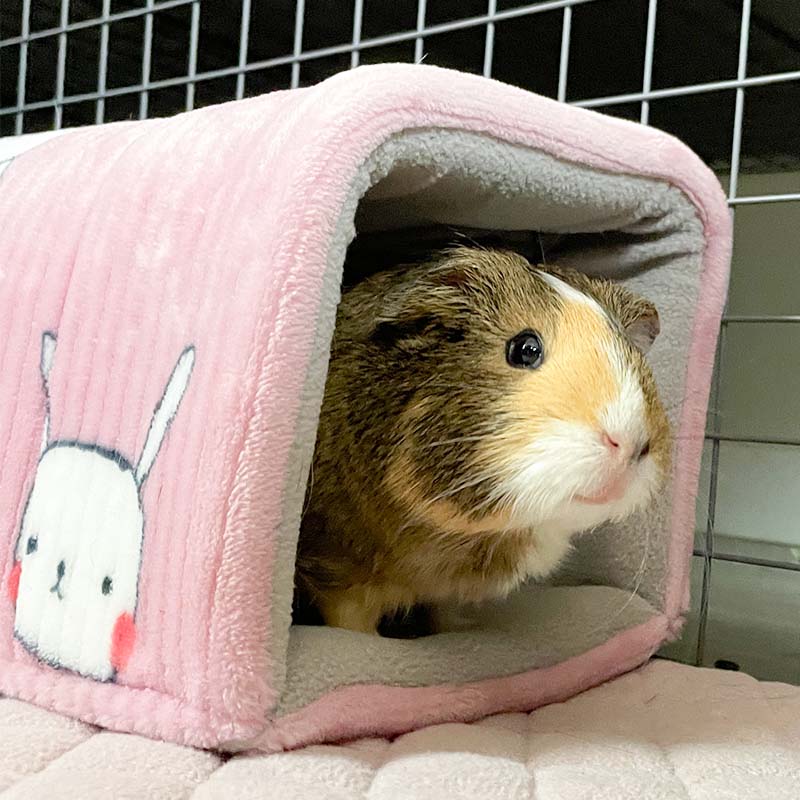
(525,350)
(108,585)
(32,546)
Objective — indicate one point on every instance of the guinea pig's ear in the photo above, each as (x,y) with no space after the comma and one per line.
(639,318)
(422,312)
(406,331)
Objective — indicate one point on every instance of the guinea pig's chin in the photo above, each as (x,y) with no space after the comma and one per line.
(637,495)
(573,514)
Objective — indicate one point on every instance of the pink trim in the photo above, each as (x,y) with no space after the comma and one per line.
(705,330)
(374,710)
(124,709)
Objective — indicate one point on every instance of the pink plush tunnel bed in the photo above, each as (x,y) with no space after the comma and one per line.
(168,291)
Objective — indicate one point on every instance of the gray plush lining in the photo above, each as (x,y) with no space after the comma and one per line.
(641,231)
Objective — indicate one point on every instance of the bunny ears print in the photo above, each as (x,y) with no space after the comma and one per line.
(164,413)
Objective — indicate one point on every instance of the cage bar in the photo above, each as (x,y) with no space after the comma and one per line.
(563,63)
(690,89)
(769,318)
(649,47)
(488,47)
(738,116)
(720,437)
(61,65)
(764,198)
(23,66)
(708,550)
(358,13)
(194,35)
(419,42)
(752,561)
(147,52)
(299,18)
(102,68)
(244,38)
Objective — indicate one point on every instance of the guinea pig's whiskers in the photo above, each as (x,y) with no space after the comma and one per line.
(491,503)
(462,235)
(459,488)
(309,490)
(638,577)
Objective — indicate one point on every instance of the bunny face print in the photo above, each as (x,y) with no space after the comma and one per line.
(78,559)
(79,550)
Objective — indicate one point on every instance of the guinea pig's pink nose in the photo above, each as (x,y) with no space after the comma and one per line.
(609,442)
(622,446)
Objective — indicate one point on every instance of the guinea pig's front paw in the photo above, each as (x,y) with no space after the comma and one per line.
(351,609)
(411,623)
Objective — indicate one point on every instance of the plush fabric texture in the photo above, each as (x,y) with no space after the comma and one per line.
(664,732)
(168,296)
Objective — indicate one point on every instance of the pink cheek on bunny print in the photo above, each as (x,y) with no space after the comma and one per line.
(123,638)
(13,582)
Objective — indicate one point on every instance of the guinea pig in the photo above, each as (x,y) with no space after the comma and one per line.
(479,411)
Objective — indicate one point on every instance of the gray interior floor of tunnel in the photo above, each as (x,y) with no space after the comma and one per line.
(535,627)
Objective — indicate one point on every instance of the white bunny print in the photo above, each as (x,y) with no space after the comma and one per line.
(78,555)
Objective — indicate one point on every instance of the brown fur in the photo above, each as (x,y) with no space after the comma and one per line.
(397,512)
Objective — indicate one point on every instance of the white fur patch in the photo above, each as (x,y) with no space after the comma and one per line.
(624,418)
(571,293)
(543,482)
(556,465)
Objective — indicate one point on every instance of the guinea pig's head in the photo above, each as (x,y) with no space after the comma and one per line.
(521,397)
